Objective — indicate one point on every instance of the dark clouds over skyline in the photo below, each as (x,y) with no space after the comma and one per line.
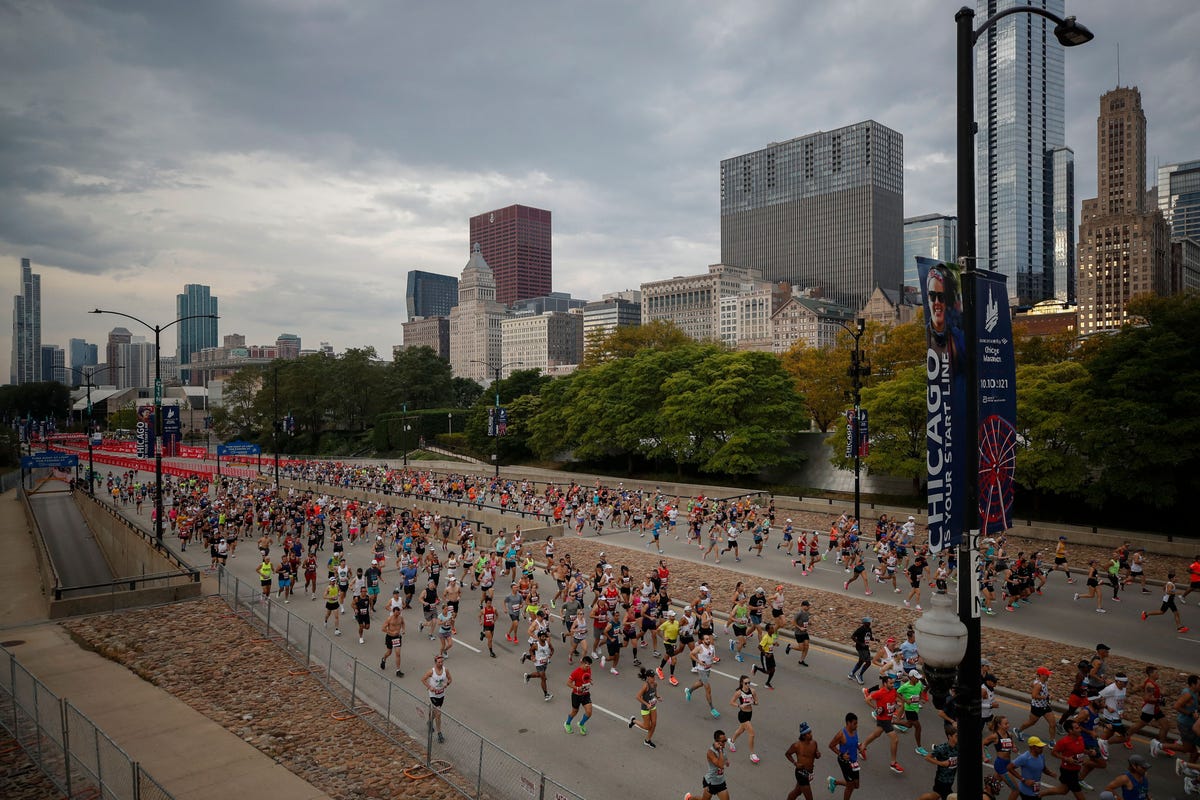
(301,156)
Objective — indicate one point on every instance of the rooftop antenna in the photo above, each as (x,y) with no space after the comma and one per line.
(1118,65)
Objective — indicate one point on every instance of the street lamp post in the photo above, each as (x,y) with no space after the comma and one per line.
(275,424)
(91,422)
(496,385)
(859,369)
(1069,34)
(158,421)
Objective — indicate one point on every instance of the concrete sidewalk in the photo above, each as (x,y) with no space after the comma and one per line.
(188,754)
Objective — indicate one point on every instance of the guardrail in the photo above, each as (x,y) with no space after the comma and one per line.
(470,763)
(79,758)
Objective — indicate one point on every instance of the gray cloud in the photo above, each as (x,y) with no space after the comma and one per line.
(300,157)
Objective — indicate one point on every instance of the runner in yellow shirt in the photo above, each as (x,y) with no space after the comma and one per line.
(669,628)
(766,653)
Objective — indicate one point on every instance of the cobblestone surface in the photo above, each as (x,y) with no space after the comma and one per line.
(216,665)
(1014,657)
(20,778)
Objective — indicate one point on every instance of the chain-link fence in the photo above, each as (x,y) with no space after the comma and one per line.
(472,764)
(69,749)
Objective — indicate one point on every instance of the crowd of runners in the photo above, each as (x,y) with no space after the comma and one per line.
(603,617)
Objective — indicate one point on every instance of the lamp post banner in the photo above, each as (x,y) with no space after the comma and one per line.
(864,434)
(945,401)
(851,425)
(144,433)
(997,371)
(172,432)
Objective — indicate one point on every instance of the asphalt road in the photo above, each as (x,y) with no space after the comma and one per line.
(490,696)
(76,556)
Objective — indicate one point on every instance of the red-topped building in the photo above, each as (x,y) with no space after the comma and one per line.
(515,242)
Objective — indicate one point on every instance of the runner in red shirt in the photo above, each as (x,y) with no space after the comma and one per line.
(883,701)
(1069,750)
(487,619)
(580,682)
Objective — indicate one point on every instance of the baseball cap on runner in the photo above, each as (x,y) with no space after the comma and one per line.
(1043,672)
(804,728)
(1034,741)
(396,590)
(912,673)
(866,620)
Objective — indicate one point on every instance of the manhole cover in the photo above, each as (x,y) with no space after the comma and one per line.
(12,643)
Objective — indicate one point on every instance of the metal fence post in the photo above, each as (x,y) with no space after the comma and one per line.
(66,737)
(479,772)
(542,786)
(353,685)
(37,721)
(428,732)
(137,788)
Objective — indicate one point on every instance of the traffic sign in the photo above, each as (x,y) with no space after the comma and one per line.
(239,449)
(50,458)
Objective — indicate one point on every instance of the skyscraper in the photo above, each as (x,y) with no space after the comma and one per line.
(54,363)
(475,323)
(194,334)
(81,354)
(112,356)
(1024,200)
(1179,198)
(429,294)
(287,346)
(26,363)
(823,210)
(1124,240)
(931,236)
(515,242)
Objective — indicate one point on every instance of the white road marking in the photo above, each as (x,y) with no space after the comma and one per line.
(469,647)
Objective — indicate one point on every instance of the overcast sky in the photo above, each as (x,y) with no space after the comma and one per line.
(300,156)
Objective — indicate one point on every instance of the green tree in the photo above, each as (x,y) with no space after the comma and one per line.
(627,341)
(892,349)
(820,375)
(421,378)
(897,427)
(1051,409)
(732,414)
(1142,432)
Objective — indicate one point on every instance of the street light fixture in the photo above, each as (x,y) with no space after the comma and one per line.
(1069,34)
(158,420)
(496,385)
(859,369)
(91,423)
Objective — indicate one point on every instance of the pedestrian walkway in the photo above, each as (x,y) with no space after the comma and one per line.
(188,754)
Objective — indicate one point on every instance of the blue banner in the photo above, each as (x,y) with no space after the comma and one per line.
(172,432)
(945,401)
(864,434)
(997,371)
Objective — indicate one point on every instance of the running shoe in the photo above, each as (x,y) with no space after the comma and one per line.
(731,646)
(1087,786)
(613,670)
(732,746)
(399,674)
(1076,597)
(906,604)
(659,673)
(383,661)
(632,721)
(896,768)
(900,728)
(656,654)
(650,744)
(1101,610)
(715,714)
(922,752)
(1178,761)
(860,680)
(582,730)
(918,606)
(830,783)
(567,727)
(673,681)
(1156,748)
(548,697)
(603,659)
(1143,616)
(1183,629)
(740,658)
(687,694)
(787,649)
(526,676)
(1019,735)
(754,759)
(846,585)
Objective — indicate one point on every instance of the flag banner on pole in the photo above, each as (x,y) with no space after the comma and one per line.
(144,433)
(172,432)
(997,371)
(945,401)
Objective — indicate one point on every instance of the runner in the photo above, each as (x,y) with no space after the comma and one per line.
(945,758)
(647,697)
(1039,704)
(1000,736)
(331,607)
(1060,559)
(916,571)
(714,777)
(1133,783)
(803,755)
(702,655)
(862,638)
(800,623)
(912,694)
(1071,753)
(543,651)
(1168,604)
(437,680)
(1093,584)
(669,628)
(265,573)
(362,612)
(844,745)
(445,629)
(1152,710)
(580,682)
(1193,579)
(487,622)
(744,700)
(766,655)
(393,638)
(883,700)
(1025,773)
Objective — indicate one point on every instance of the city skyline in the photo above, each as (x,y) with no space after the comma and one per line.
(303,188)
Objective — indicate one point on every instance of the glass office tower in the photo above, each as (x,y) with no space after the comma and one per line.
(194,334)
(931,236)
(1019,108)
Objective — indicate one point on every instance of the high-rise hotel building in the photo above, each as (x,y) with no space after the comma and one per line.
(194,334)
(823,210)
(26,364)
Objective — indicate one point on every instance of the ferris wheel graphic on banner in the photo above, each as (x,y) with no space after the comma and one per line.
(997,466)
